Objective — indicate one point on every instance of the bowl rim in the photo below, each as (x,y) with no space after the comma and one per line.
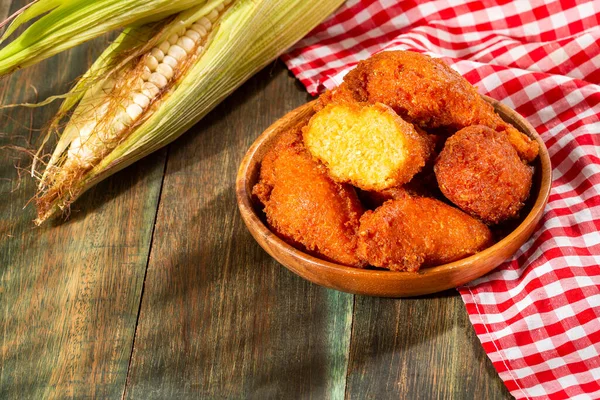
(247,210)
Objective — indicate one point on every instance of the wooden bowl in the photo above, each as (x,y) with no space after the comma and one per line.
(381,282)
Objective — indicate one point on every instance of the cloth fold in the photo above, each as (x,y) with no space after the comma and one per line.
(538,314)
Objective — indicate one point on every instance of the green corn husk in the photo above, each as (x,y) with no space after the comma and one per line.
(68,23)
(246,37)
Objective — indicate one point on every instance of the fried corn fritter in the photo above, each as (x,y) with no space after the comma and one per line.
(426,92)
(304,206)
(409,232)
(480,172)
(367,145)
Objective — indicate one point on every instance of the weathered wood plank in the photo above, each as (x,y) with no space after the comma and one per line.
(219,317)
(4,8)
(69,292)
(421,348)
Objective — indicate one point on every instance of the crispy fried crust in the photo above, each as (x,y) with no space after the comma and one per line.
(480,172)
(409,232)
(304,206)
(426,92)
(367,145)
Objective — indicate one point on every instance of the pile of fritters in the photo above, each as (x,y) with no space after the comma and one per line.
(402,166)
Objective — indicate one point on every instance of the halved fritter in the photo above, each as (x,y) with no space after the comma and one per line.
(367,145)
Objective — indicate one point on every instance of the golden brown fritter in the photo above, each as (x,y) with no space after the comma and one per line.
(480,172)
(304,206)
(367,145)
(426,92)
(409,232)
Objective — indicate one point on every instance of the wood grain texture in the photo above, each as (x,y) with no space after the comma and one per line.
(220,319)
(4,8)
(418,348)
(69,292)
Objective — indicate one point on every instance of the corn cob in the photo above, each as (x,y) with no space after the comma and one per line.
(107,115)
(157,80)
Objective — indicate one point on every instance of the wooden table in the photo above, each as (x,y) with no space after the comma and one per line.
(154,289)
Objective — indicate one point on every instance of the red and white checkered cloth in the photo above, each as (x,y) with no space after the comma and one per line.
(537,315)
